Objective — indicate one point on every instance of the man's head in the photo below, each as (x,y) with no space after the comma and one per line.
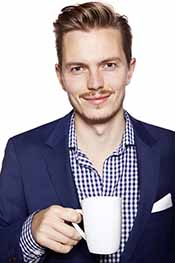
(95,64)
(88,16)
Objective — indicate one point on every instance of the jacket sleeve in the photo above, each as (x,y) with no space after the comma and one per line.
(13,210)
(12,206)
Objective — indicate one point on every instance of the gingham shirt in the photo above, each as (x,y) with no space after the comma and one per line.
(119,178)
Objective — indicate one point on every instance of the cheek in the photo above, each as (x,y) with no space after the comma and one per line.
(116,81)
(74,85)
(117,86)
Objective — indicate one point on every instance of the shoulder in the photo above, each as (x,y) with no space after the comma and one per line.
(142,126)
(151,130)
(154,128)
(40,134)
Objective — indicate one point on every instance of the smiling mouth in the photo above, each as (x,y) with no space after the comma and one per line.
(96,100)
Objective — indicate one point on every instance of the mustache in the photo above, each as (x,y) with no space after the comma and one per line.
(96,93)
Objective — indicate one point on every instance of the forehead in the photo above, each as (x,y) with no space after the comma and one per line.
(94,45)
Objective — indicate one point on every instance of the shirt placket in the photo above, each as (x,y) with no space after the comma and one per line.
(90,176)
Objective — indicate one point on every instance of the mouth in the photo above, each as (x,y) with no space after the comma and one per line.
(96,100)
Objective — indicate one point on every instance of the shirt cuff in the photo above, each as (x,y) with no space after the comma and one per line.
(31,250)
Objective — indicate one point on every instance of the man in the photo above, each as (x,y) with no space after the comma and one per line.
(97,149)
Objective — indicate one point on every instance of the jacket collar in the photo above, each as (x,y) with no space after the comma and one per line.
(62,129)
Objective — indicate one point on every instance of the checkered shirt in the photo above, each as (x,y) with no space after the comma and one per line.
(119,178)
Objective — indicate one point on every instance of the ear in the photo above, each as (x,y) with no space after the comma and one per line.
(59,74)
(131,70)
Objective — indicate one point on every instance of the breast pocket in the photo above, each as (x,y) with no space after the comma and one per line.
(158,236)
(160,224)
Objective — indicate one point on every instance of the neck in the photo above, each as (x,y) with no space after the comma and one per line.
(93,138)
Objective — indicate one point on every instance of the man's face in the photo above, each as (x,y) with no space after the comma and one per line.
(94,73)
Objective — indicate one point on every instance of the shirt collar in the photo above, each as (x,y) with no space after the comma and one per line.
(127,138)
(72,134)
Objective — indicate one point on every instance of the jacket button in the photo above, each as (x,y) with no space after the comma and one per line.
(12,260)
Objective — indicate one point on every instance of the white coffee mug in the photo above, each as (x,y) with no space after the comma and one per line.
(102,223)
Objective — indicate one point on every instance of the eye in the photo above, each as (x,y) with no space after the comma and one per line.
(110,66)
(76,69)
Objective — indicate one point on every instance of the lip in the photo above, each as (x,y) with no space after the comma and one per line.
(97,100)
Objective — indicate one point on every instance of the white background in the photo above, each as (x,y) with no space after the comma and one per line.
(29,91)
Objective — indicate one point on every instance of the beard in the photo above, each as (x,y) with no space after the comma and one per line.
(97,117)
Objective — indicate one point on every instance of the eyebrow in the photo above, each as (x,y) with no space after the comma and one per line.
(111,59)
(74,63)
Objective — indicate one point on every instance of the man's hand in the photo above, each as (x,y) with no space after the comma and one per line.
(50,228)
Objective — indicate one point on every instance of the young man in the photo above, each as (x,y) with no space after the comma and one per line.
(97,149)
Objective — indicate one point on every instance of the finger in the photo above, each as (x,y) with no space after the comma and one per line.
(68,214)
(56,246)
(59,237)
(80,211)
(66,230)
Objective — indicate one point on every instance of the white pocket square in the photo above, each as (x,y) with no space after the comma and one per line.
(162,204)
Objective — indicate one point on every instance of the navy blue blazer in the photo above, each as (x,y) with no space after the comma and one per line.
(36,174)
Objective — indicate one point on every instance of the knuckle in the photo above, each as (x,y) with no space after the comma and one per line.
(71,242)
(73,215)
(66,249)
(52,208)
(75,242)
(70,212)
(66,241)
(45,221)
(72,234)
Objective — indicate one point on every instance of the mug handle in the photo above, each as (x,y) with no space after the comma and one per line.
(77,227)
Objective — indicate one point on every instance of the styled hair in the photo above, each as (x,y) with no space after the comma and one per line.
(91,15)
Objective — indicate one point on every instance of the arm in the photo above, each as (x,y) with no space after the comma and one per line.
(49,228)
(12,206)
(13,210)
(13,215)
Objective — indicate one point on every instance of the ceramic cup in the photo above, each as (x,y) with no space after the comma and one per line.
(102,223)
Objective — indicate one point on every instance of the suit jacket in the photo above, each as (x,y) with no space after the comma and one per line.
(36,173)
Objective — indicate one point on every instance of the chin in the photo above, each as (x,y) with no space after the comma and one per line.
(97,118)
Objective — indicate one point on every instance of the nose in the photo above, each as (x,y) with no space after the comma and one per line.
(95,80)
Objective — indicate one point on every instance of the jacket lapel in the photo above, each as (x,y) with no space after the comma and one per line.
(148,166)
(56,156)
(58,163)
